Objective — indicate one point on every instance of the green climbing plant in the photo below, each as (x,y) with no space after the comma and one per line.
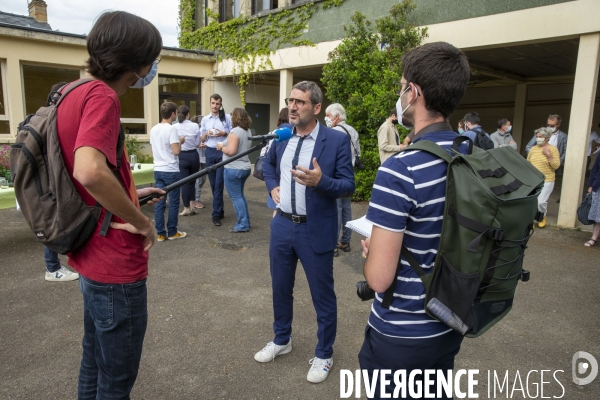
(362,76)
(248,41)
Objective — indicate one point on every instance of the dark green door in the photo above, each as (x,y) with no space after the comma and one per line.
(260,114)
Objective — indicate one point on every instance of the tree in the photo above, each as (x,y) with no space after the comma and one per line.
(363,75)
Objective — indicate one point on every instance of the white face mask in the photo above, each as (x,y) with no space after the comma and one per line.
(401,110)
(328,122)
(509,129)
(540,140)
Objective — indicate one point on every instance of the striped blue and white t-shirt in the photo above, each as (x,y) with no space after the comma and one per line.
(409,196)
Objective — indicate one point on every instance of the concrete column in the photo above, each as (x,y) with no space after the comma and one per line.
(151,105)
(285,3)
(580,122)
(519,118)
(15,94)
(286,81)
(208,89)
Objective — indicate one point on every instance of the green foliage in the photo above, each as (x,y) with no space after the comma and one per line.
(133,146)
(248,41)
(363,74)
(4,161)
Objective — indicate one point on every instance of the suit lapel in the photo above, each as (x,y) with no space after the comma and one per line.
(319,145)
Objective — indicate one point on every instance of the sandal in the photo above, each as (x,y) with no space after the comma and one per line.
(592,244)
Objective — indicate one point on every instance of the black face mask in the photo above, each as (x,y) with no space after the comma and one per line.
(395,121)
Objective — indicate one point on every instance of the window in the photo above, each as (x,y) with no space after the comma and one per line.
(4,122)
(300,1)
(229,9)
(264,5)
(38,80)
(132,112)
(181,91)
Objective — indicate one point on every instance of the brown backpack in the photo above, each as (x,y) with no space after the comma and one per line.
(51,205)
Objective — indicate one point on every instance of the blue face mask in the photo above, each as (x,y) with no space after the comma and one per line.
(145,81)
(461,131)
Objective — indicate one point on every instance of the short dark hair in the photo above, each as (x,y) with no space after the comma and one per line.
(167,108)
(182,112)
(502,121)
(473,118)
(196,119)
(55,92)
(239,117)
(316,95)
(393,112)
(120,42)
(284,116)
(217,97)
(441,71)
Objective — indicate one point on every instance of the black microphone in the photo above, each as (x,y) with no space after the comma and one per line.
(280,135)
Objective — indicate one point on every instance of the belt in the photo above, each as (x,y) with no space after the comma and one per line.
(298,219)
(189,151)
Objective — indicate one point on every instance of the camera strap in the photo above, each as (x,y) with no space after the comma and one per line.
(389,293)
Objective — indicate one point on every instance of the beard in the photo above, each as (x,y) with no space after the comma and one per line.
(301,121)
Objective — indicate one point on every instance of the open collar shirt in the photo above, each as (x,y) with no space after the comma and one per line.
(285,180)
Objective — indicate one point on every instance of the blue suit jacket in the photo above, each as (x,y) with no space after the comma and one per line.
(332,150)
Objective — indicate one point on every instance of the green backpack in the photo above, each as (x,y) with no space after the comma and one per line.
(491,203)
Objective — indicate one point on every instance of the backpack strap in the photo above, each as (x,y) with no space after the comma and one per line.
(72,86)
(352,144)
(389,293)
(120,146)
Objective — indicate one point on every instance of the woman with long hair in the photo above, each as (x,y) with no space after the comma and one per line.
(189,162)
(236,172)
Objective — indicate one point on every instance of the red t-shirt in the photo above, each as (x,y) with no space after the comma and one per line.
(89,117)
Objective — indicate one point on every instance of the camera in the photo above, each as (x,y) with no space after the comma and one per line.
(364,292)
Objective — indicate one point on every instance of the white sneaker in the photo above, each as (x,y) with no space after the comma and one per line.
(62,275)
(319,369)
(273,350)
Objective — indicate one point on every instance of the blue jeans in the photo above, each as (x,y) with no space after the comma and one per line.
(163,179)
(344,215)
(115,317)
(214,156)
(189,164)
(234,182)
(200,182)
(52,261)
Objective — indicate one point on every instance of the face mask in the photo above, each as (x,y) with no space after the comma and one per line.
(395,121)
(401,110)
(145,81)
(328,122)
(540,141)
(509,129)
(461,131)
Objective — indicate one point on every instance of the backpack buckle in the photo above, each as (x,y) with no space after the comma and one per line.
(496,234)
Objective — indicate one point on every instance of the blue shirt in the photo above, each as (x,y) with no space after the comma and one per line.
(211,122)
(409,195)
(285,180)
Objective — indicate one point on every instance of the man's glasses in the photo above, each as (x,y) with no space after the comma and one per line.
(398,87)
(300,103)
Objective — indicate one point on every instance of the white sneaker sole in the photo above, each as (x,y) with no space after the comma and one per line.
(64,278)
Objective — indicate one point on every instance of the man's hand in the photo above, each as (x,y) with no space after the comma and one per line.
(590,189)
(148,191)
(147,231)
(511,142)
(365,246)
(308,177)
(275,195)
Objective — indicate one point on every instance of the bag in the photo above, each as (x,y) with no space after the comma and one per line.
(258,168)
(482,140)
(491,202)
(357,162)
(584,210)
(53,209)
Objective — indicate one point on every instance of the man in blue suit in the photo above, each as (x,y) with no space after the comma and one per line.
(305,176)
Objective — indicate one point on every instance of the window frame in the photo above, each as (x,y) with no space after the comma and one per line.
(5,116)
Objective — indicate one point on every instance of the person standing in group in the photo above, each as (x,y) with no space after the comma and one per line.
(123,52)
(593,147)
(189,162)
(166,146)
(335,117)
(202,157)
(236,172)
(461,127)
(546,158)
(406,209)
(594,215)
(305,176)
(283,121)
(388,138)
(558,139)
(502,136)
(214,128)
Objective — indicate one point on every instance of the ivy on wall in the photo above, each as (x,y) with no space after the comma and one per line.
(248,41)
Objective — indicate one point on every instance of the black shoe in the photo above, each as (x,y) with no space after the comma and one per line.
(216,221)
(221,217)
(345,247)
(336,253)
(236,231)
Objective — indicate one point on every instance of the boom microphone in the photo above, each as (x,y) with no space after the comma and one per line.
(280,135)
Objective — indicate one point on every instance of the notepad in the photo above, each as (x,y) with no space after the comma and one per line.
(361,226)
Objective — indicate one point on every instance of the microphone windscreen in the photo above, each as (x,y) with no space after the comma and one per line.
(283,133)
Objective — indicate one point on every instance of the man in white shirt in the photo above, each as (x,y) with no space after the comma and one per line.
(166,146)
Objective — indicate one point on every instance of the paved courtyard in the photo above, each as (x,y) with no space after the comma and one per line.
(210,310)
